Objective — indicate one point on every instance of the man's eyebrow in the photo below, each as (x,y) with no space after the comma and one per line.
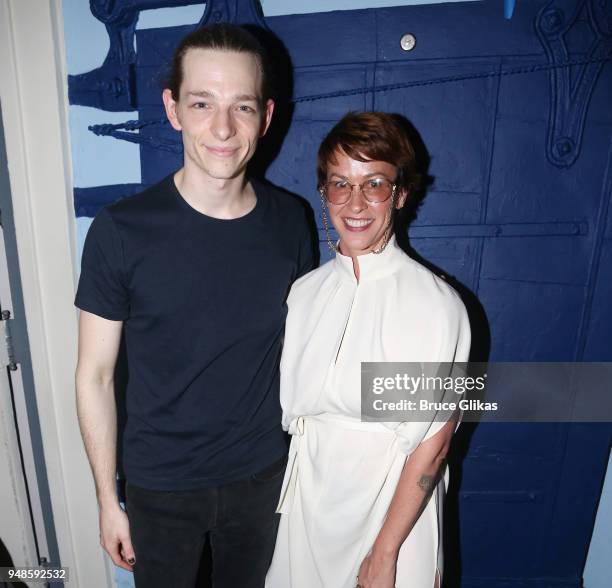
(246,98)
(201,94)
(237,97)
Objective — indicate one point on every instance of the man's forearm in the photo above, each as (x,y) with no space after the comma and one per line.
(98,422)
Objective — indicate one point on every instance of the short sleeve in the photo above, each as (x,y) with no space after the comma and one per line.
(102,289)
(461,357)
(453,362)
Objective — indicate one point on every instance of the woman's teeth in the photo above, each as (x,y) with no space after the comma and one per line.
(357,222)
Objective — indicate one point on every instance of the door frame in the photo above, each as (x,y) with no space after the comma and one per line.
(34,101)
(17,533)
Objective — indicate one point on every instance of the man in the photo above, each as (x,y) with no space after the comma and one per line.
(197,270)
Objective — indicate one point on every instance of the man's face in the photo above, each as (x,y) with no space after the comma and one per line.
(219,111)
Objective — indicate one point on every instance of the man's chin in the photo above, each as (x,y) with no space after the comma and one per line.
(224,173)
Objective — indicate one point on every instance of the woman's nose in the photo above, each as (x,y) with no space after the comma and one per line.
(357,201)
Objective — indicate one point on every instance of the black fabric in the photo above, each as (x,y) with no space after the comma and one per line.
(203,305)
(169,530)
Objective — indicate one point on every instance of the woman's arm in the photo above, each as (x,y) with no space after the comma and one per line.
(419,477)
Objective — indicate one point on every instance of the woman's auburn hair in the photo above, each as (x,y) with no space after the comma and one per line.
(371,136)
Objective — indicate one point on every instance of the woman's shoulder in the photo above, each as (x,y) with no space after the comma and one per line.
(433,287)
(311,282)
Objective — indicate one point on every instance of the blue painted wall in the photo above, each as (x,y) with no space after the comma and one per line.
(488,142)
(103,160)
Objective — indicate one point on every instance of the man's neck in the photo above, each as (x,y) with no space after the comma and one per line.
(223,199)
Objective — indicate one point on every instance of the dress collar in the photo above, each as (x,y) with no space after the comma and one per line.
(372,266)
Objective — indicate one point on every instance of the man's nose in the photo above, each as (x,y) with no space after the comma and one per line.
(223,124)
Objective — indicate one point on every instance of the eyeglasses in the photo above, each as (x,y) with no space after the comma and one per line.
(374,190)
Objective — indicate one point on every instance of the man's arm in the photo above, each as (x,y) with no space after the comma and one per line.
(99,341)
(419,477)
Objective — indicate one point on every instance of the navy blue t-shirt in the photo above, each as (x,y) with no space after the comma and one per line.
(203,305)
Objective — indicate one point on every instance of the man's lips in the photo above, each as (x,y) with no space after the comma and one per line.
(222,151)
(357,225)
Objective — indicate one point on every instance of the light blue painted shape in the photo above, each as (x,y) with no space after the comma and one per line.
(98,161)
(82,225)
(170,17)
(508,8)
(597,570)
(85,37)
(281,7)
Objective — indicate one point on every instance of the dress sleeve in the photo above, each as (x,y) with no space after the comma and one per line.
(455,351)
(461,356)
(102,289)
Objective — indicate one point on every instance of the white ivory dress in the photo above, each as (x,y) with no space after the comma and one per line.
(342,472)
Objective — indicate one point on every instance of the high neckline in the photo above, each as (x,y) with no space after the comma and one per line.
(372,266)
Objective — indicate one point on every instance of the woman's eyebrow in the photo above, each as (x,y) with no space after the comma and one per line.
(376,173)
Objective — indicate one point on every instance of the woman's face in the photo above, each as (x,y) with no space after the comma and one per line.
(361,225)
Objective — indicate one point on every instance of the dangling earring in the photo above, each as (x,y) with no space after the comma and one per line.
(389,231)
(330,243)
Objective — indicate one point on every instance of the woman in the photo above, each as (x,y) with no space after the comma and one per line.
(361,501)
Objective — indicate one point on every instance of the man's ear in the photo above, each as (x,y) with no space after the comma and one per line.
(267,117)
(170,106)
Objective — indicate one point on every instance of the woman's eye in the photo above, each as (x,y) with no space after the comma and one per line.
(376,183)
(339,184)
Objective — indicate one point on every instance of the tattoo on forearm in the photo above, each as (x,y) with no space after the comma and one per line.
(426,483)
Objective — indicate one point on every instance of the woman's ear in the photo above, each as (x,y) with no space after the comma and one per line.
(401,200)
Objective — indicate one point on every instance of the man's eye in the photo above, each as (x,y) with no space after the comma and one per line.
(246,108)
(200,105)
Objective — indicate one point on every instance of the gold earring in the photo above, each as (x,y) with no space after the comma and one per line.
(389,231)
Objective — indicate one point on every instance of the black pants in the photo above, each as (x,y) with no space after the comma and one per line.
(170,528)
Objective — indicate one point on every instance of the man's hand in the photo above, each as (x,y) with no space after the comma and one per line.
(115,536)
(377,571)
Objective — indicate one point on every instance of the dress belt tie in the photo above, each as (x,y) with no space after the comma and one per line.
(296,430)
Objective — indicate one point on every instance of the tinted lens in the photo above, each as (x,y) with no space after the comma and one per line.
(337,193)
(377,191)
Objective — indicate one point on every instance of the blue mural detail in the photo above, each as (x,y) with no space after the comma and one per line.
(112,86)
(87,201)
(125,132)
(566,27)
(174,145)
(244,12)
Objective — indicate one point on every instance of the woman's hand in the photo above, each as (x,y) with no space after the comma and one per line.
(377,570)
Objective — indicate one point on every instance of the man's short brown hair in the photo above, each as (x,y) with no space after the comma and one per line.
(220,37)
